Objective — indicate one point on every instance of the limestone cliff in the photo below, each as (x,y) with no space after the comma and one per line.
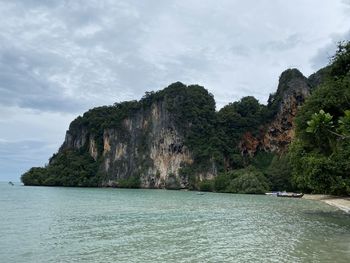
(276,134)
(149,143)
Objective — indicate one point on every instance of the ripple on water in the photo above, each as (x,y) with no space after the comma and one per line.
(40,224)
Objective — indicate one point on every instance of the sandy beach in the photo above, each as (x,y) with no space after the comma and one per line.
(343,203)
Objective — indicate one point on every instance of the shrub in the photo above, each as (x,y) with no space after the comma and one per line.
(206,185)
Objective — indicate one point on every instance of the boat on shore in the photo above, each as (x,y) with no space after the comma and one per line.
(285,194)
(290,195)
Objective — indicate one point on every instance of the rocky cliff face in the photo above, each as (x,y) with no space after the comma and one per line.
(148,145)
(278,133)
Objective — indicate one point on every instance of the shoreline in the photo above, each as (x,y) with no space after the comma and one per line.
(342,203)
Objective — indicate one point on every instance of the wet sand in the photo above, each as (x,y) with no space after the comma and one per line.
(343,203)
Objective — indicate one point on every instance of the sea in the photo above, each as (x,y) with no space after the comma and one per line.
(57,224)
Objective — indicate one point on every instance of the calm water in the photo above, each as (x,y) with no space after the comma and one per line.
(42,224)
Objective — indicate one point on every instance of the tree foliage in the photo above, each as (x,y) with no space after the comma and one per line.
(243,181)
(69,168)
(278,174)
(235,119)
(320,153)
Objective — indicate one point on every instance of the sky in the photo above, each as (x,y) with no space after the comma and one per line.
(61,58)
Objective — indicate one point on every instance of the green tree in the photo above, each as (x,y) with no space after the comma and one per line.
(344,125)
(279,174)
(248,181)
(321,126)
(320,153)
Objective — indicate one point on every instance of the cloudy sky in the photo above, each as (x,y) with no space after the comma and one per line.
(60,58)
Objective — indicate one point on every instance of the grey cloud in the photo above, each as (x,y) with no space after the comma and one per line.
(346,2)
(33,3)
(289,42)
(241,50)
(324,54)
(16,157)
(23,84)
(24,150)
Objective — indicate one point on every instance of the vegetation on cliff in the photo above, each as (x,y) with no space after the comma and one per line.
(235,119)
(320,153)
(69,168)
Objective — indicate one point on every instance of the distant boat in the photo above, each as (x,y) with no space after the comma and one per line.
(200,193)
(10,183)
(290,195)
(272,193)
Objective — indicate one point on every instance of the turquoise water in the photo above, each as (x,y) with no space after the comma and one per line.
(43,224)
